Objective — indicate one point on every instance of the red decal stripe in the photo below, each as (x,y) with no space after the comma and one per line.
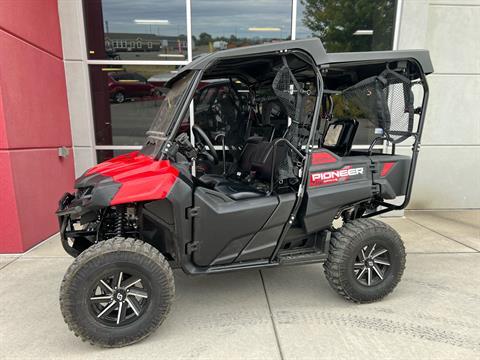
(386,167)
(322,158)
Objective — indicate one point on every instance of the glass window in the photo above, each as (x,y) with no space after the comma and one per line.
(348,25)
(219,24)
(112,24)
(125,100)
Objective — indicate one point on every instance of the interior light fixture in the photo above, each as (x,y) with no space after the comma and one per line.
(172,55)
(264,29)
(151,22)
(363,32)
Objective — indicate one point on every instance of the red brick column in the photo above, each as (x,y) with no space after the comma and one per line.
(34,122)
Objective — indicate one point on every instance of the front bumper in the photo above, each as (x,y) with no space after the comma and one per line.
(71,211)
(67,205)
(76,205)
(63,212)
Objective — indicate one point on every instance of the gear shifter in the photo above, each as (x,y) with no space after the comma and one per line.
(186,146)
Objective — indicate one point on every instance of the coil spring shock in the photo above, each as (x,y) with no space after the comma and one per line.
(119,222)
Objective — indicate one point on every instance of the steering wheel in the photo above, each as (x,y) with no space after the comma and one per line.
(204,141)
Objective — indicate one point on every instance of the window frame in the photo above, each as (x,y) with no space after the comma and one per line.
(142,45)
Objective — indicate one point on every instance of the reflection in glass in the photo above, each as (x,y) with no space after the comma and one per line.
(219,24)
(222,108)
(136,30)
(125,100)
(171,102)
(348,25)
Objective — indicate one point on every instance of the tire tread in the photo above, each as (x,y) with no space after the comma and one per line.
(342,243)
(88,257)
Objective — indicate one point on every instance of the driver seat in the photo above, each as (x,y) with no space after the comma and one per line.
(243,166)
(237,190)
(256,160)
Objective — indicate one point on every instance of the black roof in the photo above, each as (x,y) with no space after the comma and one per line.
(315,48)
(312,46)
(422,56)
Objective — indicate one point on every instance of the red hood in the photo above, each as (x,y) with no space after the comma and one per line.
(141,177)
(122,164)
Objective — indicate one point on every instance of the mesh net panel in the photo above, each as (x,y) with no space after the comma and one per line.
(287,90)
(386,101)
(285,166)
(281,87)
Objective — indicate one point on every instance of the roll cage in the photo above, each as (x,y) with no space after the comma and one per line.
(311,51)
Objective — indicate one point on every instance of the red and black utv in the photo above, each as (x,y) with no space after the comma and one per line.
(285,161)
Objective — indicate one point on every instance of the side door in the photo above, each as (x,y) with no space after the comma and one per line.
(143,88)
(126,82)
(132,85)
(230,231)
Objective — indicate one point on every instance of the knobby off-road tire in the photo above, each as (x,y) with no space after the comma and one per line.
(94,275)
(351,251)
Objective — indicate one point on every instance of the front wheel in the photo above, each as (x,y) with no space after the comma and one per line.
(366,260)
(119,97)
(117,292)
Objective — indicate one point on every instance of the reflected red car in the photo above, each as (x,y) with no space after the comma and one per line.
(127,86)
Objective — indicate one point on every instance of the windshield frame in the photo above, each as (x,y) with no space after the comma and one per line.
(154,144)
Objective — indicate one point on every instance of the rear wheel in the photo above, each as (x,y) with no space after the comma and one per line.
(119,97)
(366,260)
(117,292)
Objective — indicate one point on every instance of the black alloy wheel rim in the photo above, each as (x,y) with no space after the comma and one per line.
(372,264)
(119,298)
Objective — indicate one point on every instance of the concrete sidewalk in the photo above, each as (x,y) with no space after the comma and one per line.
(281,313)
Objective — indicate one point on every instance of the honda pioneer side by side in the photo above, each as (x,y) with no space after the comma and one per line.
(283,159)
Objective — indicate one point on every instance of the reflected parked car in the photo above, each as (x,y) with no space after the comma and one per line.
(125,85)
(161,79)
